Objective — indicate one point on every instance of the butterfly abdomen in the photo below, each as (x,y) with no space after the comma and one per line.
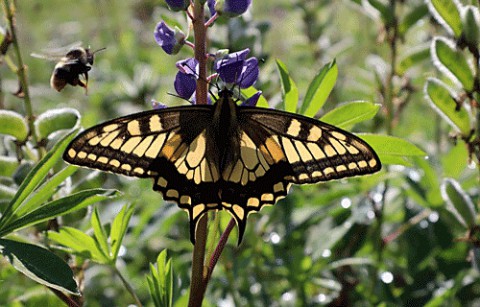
(225,132)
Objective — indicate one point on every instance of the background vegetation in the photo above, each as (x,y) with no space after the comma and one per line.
(406,236)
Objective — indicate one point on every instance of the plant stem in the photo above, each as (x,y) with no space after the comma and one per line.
(128,287)
(198,282)
(9,10)
(219,249)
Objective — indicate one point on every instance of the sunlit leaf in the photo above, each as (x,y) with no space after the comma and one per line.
(348,114)
(392,150)
(119,229)
(452,62)
(80,243)
(289,88)
(443,103)
(447,13)
(319,89)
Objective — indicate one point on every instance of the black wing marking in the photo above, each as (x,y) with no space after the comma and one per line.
(167,145)
(278,149)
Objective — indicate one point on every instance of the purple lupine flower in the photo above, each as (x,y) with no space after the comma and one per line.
(186,78)
(249,73)
(232,8)
(211,7)
(235,68)
(252,101)
(178,5)
(170,40)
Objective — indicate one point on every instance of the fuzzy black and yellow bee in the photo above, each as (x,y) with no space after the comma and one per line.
(78,61)
(69,68)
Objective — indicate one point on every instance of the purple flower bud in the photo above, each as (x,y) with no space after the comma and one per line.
(234,68)
(170,40)
(211,7)
(188,66)
(249,73)
(185,85)
(252,101)
(178,5)
(232,8)
(230,67)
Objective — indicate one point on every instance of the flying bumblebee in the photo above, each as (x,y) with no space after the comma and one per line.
(78,61)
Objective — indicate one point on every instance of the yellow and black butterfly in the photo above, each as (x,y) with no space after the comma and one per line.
(222,156)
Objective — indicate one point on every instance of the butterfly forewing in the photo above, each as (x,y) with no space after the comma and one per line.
(130,145)
(315,151)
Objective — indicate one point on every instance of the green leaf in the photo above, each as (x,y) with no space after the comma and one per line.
(35,177)
(119,228)
(452,62)
(45,191)
(80,243)
(392,150)
(348,114)
(386,11)
(40,265)
(289,89)
(160,281)
(8,165)
(429,182)
(58,207)
(55,120)
(319,89)
(442,101)
(412,17)
(471,26)
(13,124)
(455,161)
(459,203)
(100,235)
(447,13)
(413,59)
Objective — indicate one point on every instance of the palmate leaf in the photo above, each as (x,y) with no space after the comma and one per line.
(160,281)
(34,178)
(103,247)
(56,208)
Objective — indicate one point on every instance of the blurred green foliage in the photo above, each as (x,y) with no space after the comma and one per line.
(407,236)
